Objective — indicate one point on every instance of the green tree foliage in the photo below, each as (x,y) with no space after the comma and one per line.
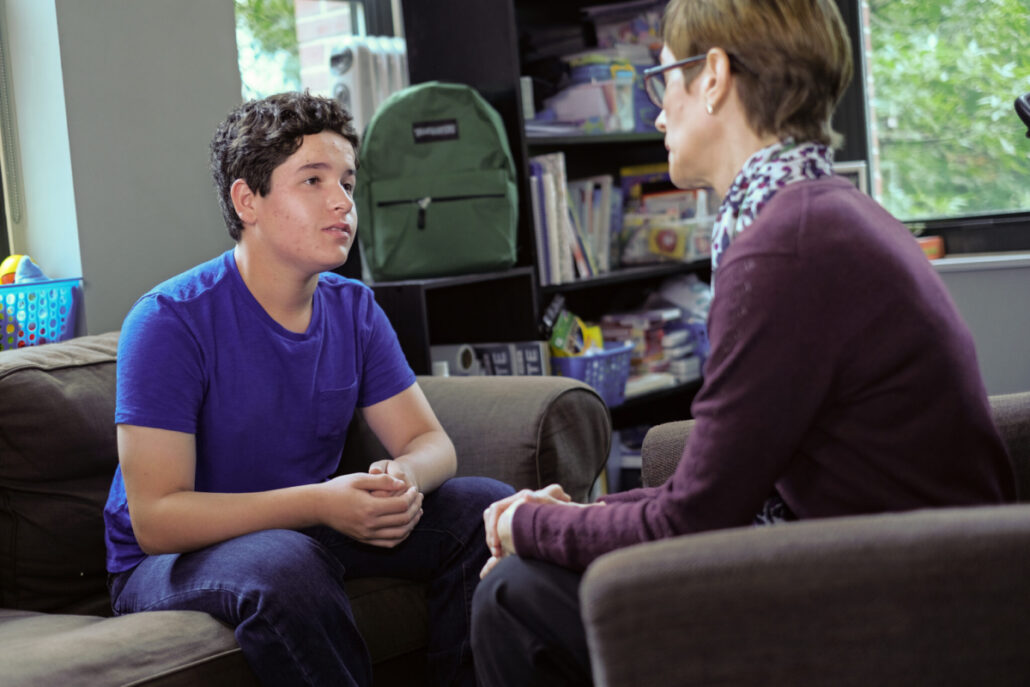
(266,36)
(945,74)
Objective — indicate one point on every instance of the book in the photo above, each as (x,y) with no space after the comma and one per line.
(580,245)
(561,234)
(514,358)
(650,381)
(543,256)
(496,359)
(591,198)
(532,358)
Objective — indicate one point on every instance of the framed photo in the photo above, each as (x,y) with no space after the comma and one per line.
(855,172)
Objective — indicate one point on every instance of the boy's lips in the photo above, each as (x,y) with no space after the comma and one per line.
(343,228)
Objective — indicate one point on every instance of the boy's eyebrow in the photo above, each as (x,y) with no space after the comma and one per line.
(350,171)
(313,165)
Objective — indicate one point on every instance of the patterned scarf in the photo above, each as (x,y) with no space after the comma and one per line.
(764,173)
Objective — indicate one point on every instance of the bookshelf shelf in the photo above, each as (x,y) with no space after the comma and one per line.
(663,405)
(540,141)
(627,275)
(473,308)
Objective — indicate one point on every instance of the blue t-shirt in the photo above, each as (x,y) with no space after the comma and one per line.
(269,407)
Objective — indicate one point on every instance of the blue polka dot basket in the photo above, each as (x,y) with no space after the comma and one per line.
(606,371)
(37,312)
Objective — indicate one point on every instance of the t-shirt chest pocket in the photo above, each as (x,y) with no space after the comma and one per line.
(335,409)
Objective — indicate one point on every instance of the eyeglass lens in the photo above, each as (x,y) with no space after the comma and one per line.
(655,87)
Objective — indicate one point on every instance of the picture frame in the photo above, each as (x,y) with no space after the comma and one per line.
(854,171)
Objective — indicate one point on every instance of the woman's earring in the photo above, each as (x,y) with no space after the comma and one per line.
(708,108)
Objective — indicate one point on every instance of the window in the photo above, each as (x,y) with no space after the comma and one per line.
(942,76)
(343,49)
(7,150)
(285,44)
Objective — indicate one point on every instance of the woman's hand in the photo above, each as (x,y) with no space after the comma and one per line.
(497,519)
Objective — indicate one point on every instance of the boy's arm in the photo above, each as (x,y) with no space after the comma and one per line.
(406,425)
(168,516)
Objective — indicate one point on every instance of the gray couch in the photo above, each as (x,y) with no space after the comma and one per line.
(931,597)
(57,455)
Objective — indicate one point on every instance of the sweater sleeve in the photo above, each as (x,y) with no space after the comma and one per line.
(629,495)
(769,371)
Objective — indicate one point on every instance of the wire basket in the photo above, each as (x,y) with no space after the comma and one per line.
(606,371)
(37,312)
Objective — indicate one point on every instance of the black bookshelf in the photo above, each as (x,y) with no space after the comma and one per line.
(495,49)
(471,308)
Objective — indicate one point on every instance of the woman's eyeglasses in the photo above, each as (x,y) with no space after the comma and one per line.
(654,78)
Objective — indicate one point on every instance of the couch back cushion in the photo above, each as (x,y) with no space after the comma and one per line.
(57,457)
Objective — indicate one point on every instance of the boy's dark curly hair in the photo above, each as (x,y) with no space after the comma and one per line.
(259,135)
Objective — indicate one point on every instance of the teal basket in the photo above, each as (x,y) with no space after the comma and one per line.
(37,312)
(606,371)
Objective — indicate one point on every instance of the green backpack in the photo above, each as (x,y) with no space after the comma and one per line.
(436,190)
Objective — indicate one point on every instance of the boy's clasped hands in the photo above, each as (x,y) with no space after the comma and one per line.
(380,507)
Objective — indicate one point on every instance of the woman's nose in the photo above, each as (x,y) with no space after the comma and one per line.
(659,121)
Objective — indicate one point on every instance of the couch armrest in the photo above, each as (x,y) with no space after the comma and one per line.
(661,451)
(663,445)
(1012,415)
(926,597)
(525,431)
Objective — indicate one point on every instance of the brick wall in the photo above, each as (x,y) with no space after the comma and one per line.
(320,23)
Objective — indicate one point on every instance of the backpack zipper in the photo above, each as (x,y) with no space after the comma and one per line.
(423,203)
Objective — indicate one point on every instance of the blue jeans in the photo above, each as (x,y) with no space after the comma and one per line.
(284,591)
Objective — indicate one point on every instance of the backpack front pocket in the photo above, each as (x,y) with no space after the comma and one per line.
(442,225)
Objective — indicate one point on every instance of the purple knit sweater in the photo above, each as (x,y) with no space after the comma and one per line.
(841,375)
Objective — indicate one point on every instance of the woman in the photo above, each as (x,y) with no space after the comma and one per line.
(841,379)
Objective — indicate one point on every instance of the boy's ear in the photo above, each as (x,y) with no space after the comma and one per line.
(243,201)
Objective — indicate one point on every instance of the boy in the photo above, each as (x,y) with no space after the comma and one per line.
(236,383)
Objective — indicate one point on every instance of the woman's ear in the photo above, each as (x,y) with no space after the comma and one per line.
(243,201)
(716,80)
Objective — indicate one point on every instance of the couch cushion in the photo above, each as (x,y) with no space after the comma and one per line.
(156,648)
(57,457)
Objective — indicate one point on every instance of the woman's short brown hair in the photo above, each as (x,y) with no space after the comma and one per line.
(792,58)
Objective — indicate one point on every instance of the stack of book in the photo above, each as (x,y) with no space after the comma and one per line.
(646,329)
(502,358)
(668,347)
(572,220)
(660,222)
(518,358)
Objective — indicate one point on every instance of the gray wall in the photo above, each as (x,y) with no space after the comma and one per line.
(145,83)
(993,295)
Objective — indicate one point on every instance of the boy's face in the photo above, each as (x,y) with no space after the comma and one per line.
(307,221)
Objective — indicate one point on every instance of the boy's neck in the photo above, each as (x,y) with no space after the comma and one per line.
(286,297)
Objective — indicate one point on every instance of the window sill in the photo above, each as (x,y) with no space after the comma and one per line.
(970,262)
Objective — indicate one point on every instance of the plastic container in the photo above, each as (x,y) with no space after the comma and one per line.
(37,312)
(606,371)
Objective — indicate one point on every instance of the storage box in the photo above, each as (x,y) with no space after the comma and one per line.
(37,312)
(606,371)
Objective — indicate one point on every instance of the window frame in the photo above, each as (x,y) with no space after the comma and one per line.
(993,232)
